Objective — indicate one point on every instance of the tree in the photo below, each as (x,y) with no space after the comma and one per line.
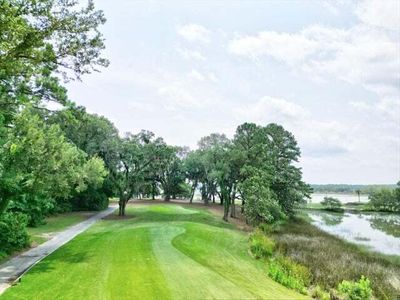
(332,203)
(386,199)
(41,166)
(358,191)
(135,154)
(39,39)
(97,137)
(194,170)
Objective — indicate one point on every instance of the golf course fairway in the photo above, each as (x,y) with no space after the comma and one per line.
(159,251)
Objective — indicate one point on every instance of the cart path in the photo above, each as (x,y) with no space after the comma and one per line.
(15,267)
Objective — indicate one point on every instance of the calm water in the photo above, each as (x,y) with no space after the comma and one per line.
(344,198)
(378,231)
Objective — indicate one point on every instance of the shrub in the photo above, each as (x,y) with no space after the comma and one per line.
(90,199)
(360,290)
(260,245)
(34,206)
(332,204)
(13,235)
(290,274)
(320,294)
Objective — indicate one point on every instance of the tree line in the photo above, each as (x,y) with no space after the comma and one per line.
(68,159)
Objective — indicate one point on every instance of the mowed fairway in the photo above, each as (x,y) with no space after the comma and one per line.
(162,252)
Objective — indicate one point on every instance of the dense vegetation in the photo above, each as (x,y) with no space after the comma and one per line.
(385,200)
(305,244)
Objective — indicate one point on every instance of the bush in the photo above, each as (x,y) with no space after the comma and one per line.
(90,199)
(33,206)
(385,200)
(332,204)
(320,294)
(290,274)
(13,234)
(260,245)
(360,290)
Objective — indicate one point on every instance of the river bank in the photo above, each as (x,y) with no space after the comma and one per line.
(331,259)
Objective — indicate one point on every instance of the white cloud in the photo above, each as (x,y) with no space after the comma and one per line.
(381,13)
(191,54)
(367,54)
(271,109)
(194,33)
(316,138)
(194,74)
(197,75)
(290,48)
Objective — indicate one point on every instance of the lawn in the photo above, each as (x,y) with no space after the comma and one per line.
(55,224)
(157,252)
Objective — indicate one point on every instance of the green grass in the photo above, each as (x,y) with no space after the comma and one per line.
(55,224)
(161,252)
(331,259)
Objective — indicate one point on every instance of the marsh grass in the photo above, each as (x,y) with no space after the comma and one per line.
(332,260)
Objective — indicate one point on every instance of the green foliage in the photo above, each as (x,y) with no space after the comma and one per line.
(356,290)
(289,273)
(13,235)
(41,167)
(332,204)
(260,245)
(386,200)
(319,293)
(261,205)
(39,39)
(309,246)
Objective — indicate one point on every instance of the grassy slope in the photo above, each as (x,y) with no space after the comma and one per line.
(164,252)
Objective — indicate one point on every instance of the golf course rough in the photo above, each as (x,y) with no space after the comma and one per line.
(162,252)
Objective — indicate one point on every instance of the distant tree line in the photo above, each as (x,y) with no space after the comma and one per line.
(350,188)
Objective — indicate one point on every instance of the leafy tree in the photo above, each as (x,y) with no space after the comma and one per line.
(261,204)
(332,203)
(41,166)
(97,137)
(194,169)
(39,39)
(135,154)
(386,199)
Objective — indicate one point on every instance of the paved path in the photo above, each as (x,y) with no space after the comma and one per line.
(15,267)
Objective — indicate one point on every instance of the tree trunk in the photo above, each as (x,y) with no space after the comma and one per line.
(167,197)
(153,191)
(225,198)
(233,208)
(193,191)
(242,207)
(122,204)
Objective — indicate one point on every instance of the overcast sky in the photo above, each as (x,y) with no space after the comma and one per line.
(328,71)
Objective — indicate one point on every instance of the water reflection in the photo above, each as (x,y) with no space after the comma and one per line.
(379,231)
(332,219)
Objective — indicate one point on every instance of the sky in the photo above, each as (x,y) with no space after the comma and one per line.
(328,71)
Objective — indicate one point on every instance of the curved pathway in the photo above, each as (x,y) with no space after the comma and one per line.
(15,267)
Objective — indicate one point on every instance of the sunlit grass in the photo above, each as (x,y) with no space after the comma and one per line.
(157,252)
